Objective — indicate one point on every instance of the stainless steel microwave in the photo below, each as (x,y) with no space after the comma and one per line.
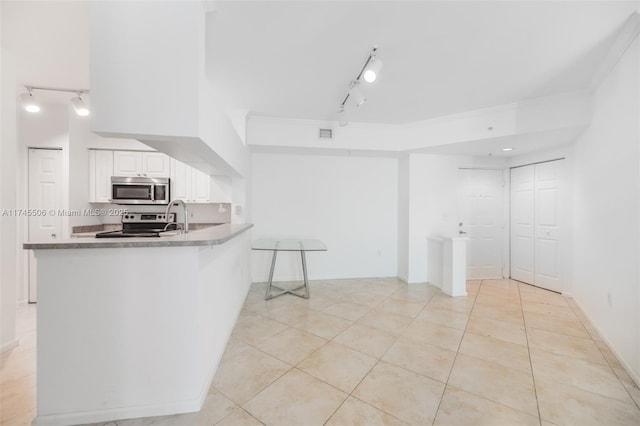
(139,190)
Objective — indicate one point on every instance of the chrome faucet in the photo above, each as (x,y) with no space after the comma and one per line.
(185,224)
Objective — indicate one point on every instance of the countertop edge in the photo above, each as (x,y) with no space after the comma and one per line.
(205,237)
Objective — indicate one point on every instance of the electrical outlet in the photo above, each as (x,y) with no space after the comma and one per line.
(238,210)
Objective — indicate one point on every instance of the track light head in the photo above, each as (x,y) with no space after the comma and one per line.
(29,102)
(80,106)
(372,70)
(357,97)
(342,117)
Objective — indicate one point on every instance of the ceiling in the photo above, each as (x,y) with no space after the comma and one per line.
(295,59)
(50,44)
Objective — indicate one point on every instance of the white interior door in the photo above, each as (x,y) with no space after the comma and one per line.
(45,199)
(547,200)
(481,218)
(535,224)
(522,224)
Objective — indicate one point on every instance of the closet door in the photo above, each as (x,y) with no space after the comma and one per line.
(547,214)
(535,224)
(522,224)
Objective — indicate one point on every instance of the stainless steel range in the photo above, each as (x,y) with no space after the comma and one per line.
(141,225)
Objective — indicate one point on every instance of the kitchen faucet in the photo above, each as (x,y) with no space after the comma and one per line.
(185,225)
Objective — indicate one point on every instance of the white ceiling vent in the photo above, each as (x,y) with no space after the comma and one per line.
(326,134)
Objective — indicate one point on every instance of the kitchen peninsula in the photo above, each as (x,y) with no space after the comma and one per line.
(135,327)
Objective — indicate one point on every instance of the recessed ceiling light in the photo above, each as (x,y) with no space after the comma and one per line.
(507,149)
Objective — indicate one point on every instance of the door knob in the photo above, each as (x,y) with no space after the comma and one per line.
(53,236)
(461,232)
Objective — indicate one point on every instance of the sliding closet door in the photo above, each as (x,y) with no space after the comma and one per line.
(535,224)
(522,224)
(547,256)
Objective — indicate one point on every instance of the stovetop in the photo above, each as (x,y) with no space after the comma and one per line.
(129,234)
(137,225)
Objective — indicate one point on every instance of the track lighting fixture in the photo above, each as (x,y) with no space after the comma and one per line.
(354,97)
(79,104)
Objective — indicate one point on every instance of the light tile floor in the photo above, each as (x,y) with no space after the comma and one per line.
(380,352)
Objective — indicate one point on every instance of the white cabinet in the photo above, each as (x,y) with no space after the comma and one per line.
(156,164)
(180,181)
(136,163)
(193,186)
(100,172)
(200,187)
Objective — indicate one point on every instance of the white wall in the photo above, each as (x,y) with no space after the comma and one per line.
(403,217)
(144,71)
(350,203)
(606,211)
(9,276)
(433,206)
(79,135)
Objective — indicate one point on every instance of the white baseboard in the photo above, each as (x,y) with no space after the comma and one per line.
(9,345)
(180,407)
(633,374)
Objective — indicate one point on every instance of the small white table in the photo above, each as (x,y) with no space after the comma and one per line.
(288,245)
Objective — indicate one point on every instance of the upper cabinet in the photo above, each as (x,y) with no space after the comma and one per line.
(100,172)
(135,163)
(193,186)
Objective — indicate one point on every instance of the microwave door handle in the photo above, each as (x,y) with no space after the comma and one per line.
(152,189)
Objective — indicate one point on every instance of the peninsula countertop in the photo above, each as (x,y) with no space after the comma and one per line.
(211,236)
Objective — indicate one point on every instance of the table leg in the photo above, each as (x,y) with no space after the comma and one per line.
(273,267)
(304,274)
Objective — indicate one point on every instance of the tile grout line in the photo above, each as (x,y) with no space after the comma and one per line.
(378,361)
(533,377)
(455,358)
(295,367)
